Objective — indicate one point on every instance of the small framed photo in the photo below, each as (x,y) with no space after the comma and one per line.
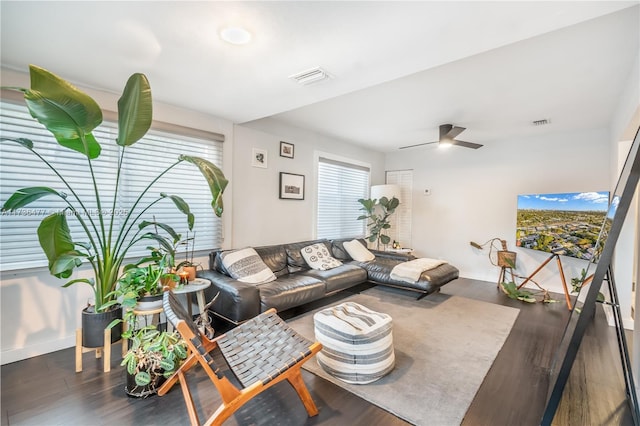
(291,186)
(259,158)
(286,149)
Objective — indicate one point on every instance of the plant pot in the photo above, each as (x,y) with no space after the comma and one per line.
(93,325)
(192,272)
(147,303)
(133,390)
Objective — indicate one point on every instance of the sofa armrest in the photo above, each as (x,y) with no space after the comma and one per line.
(237,302)
(404,257)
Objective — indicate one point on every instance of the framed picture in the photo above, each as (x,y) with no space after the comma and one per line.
(291,186)
(259,158)
(286,149)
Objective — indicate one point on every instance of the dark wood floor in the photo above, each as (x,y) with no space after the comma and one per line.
(45,390)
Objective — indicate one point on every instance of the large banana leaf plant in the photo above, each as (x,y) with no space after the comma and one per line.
(71,115)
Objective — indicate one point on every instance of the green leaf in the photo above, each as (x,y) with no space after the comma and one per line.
(80,280)
(183,207)
(65,111)
(215,179)
(168,229)
(26,196)
(143,378)
(166,244)
(55,240)
(385,239)
(27,143)
(135,110)
(167,364)
(65,263)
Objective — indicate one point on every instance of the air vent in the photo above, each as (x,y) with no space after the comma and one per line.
(542,122)
(313,75)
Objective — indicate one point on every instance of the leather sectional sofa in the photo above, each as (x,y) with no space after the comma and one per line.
(297,283)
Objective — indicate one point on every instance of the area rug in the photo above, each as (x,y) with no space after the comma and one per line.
(444,347)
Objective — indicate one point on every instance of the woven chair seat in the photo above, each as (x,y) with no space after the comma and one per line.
(260,353)
(263,348)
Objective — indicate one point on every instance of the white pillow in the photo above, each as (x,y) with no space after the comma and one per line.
(357,251)
(247,266)
(317,257)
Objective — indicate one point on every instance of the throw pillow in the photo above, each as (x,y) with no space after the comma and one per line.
(247,266)
(357,251)
(318,257)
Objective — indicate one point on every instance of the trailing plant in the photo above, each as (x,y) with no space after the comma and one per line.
(153,354)
(71,116)
(378,223)
(578,282)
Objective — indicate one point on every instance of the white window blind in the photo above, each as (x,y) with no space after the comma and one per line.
(401,220)
(143,162)
(340,185)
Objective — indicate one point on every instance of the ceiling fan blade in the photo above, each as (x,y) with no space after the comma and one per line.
(455,131)
(466,144)
(418,144)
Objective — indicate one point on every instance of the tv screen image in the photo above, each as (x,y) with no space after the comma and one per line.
(566,224)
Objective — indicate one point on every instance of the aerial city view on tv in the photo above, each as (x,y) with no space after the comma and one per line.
(567,224)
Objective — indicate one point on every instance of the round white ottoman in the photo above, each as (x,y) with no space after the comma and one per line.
(357,343)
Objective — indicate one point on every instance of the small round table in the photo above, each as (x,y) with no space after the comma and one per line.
(196,286)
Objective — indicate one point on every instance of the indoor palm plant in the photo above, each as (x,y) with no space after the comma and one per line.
(71,116)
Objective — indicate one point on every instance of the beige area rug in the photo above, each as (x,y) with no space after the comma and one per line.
(444,346)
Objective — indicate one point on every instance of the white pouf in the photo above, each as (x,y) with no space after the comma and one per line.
(357,342)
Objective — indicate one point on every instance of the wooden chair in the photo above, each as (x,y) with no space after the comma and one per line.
(260,352)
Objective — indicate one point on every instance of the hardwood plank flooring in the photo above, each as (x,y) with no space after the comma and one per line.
(45,390)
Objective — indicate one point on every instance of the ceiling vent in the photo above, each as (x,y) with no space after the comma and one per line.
(542,122)
(311,76)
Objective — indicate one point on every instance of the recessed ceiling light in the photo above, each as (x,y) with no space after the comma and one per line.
(235,35)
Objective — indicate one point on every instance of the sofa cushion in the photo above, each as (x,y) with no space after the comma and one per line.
(318,257)
(357,251)
(337,248)
(275,257)
(289,291)
(246,265)
(339,278)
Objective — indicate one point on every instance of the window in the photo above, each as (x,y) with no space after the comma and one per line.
(400,230)
(340,185)
(143,162)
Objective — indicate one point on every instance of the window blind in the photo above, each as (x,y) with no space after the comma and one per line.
(143,162)
(340,185)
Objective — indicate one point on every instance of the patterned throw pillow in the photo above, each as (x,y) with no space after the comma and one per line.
(317,257)
(247,266)
(357,251)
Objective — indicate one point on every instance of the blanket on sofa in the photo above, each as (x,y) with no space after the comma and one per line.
(410,271)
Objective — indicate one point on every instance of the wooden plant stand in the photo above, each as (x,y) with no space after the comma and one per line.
(99,350)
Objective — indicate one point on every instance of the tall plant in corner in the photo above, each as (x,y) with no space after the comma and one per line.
(71,115)
(378,223)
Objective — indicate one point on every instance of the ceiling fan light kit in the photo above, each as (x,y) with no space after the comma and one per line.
(448,133)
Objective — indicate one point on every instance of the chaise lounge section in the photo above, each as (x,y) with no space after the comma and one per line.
(296,283)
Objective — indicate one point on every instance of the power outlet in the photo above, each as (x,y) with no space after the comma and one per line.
(427,192)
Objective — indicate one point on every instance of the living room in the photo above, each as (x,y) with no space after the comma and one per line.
(473,193)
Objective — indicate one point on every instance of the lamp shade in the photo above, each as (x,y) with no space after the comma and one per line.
(389,191)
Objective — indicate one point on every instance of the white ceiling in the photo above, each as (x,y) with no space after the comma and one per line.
(399,69)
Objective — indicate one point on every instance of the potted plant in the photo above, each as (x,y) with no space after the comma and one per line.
(140,287)
(154,356)
(71,116)
(187,265)
(378,222)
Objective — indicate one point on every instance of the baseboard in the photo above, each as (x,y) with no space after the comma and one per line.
(20,354)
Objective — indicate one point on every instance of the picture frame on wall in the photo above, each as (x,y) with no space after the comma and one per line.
(286,149)
(291,186)
(259,158)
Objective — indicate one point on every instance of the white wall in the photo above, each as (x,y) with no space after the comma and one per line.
(38,316)
(474,196)
(262,218)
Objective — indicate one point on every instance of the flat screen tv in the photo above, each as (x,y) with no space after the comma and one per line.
(566,224)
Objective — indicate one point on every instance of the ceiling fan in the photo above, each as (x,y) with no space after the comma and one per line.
(448,132)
